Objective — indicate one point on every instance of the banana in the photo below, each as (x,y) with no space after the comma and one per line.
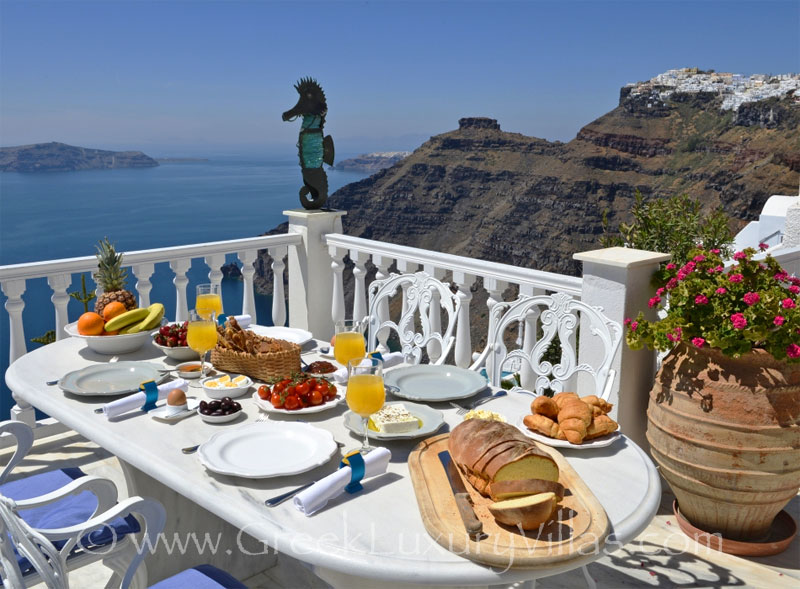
(154,314)
(125,319)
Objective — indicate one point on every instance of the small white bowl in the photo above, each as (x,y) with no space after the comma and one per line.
(110,344)
(178,352)
(222,392)
(219,418)
(183,373)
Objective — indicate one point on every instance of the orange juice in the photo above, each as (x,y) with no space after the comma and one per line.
(205,304)
(201,336)
(365,393)
(349,345)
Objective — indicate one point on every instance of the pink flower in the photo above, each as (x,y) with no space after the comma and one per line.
(718,269)
(739,321)
(794,289)
(698,342)
(795,281)
(627,321)
(699,258)
(660,291)
(751,298)
(715,251)
(654,301)
(675,336)
(721,290)
(788,304)
(778,320)
(671,266)
(634,325)
(762,246)
(781,276)
(673,282)
(682,274)
(740,256)
(735,278)
(793,351)
(701,300)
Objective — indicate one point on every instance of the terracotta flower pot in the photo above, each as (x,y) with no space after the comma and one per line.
(726,434)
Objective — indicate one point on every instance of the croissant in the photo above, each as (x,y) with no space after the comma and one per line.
(543,425)
(575,409)
(574,429)
(544,406)
(561,398)
(600,426)
(599,406)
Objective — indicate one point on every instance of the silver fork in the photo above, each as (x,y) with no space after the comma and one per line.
(464,410)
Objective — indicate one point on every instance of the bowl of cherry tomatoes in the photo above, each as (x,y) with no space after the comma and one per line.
(303,394)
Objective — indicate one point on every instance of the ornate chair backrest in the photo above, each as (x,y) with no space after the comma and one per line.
(541,319)
(24,437)
(424,299)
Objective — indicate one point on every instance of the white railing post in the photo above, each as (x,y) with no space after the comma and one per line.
(434,348)
(180,267)
(14,289)
(215,263)
(248,258)
(278,297)
(406,267)
(618,280)
(463,351)
(310,278)
(360,290)
(494,288)
(337,295)
(59,283)
(143,272)
(382,263)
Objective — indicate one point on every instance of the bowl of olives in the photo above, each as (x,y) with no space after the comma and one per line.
(219,410)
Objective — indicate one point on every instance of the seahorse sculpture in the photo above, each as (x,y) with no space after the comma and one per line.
(313,147)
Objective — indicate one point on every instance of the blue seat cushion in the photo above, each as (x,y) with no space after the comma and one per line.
(66,512)
(204,576)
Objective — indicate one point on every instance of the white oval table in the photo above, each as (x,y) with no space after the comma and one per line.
(377,534)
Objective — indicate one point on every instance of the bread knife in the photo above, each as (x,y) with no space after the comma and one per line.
(473,525)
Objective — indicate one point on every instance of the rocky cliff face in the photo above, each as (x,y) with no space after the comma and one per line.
(482,192)
(372,162)
(60,157)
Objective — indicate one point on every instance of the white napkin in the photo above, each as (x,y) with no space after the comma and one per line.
(389,360)
(136,400)
(317,495)
(244,321)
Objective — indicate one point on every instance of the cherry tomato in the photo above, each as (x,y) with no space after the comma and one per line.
(316,397)
(332,388)
(290,390)
(276,400)
(292,402)
(279,387)
(322,386)
(264,392)
(302,388)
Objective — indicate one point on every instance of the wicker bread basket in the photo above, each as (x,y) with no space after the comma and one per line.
(266,366)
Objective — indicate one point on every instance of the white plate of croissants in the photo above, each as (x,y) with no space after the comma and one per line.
(566,420)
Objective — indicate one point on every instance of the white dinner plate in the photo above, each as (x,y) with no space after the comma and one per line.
(289,334)
(113,378)
(267,449)
(600,442)
(430,382)
(267,406)
(431,420)
(160,412)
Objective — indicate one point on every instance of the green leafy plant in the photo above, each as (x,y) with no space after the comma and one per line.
(674,225)
(47,338)
(83,296)
(752,304)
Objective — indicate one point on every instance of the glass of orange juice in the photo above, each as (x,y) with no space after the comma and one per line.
(201,336)
(365,393)
(349,342)
(209,300)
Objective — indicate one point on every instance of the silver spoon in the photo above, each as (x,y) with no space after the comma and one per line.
(190,449)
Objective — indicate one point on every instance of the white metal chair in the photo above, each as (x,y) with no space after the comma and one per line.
(424,299)
(541,319)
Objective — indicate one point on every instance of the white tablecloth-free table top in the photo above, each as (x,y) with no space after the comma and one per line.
(376,534)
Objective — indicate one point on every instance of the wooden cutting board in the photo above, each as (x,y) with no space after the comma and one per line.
(579,528)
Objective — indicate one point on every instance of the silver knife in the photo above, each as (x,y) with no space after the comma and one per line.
(473,525)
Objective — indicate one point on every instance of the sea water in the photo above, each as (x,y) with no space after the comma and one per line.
(49,216)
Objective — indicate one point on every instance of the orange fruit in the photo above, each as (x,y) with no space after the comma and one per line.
(113,309)
(110,332)
(90,324)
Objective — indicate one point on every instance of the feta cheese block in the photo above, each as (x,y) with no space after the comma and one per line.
(394,419)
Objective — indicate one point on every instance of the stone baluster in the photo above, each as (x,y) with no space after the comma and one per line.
(529,336)
(59,283)
(14,289)
(463,352)
(248,259)
(382,263)
(180,267)
(494,288)
(406,267)
(143,272)
(337,265)
(278,296)
(434,348)
(359,274)
(215,263)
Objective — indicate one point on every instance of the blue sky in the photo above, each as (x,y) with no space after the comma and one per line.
(197,76)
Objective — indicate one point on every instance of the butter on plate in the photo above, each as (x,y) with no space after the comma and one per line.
(393,419)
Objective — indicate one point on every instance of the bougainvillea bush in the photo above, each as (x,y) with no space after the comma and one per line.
(752,304)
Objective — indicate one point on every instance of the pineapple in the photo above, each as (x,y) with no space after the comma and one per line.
(111,277)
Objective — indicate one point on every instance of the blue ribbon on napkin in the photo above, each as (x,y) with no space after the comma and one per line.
(221,318)
(356,463)
(376,354)
(150,394)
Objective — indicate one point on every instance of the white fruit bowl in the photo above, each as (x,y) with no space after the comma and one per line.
(178,352)
(110,344)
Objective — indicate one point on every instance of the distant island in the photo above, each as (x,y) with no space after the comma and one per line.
(372,162)
(60,157)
